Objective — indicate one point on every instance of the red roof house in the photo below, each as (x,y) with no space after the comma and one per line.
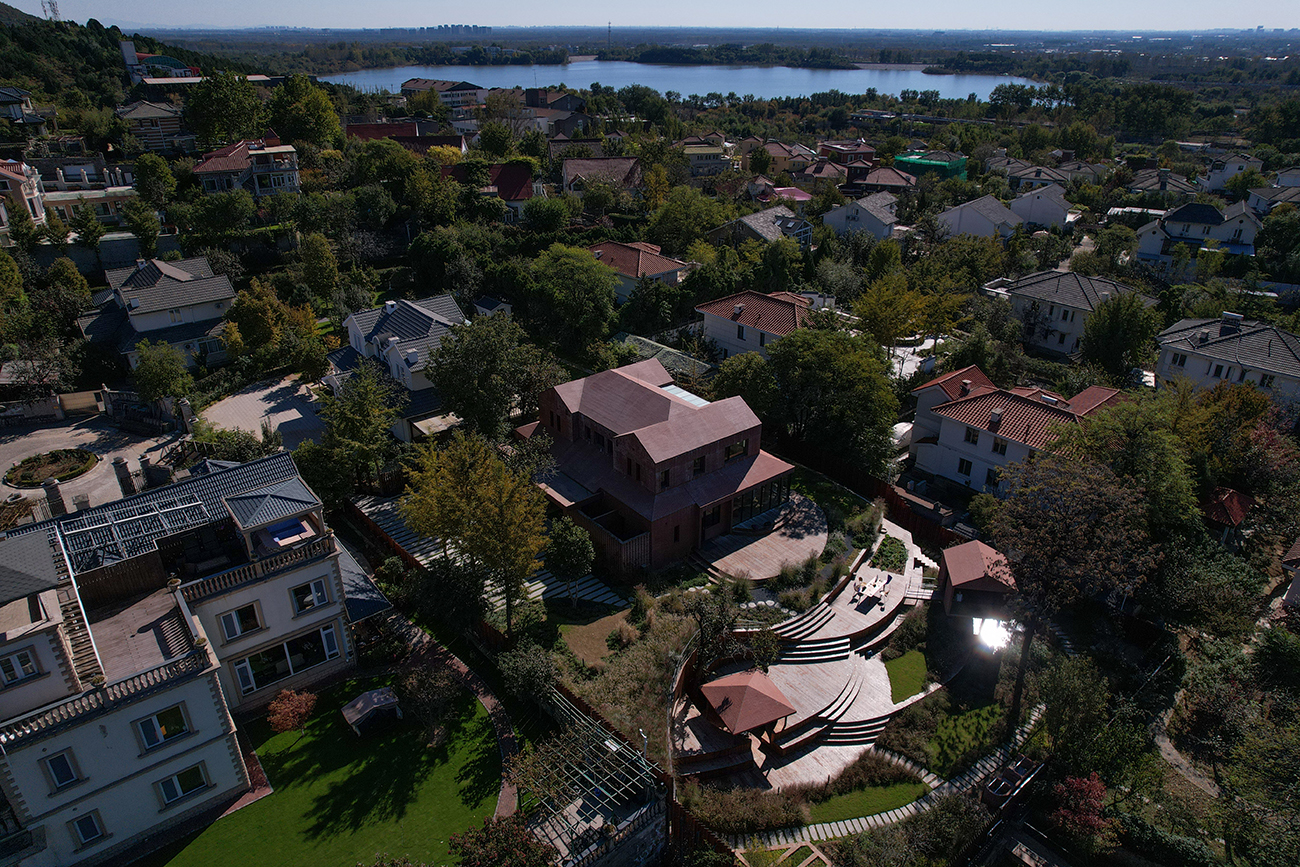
(974,579)
(636,260)
(750,321)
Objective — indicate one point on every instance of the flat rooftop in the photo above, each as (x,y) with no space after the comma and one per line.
(139,635)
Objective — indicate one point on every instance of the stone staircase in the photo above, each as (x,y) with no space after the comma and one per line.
(815,727)
(544,585)
(805,624)
(816,650)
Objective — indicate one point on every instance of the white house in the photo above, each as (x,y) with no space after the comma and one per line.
(399,337)
(1289,177)
(1199,226)
(1054,305)
(129,631)
(1226,167)
(1231,349)
(985,217)
(1262,200)
(983,429)
(874,214)
(1042,206)
(180,303)
(750,321)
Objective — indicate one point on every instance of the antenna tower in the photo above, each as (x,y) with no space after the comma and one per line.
(609,34)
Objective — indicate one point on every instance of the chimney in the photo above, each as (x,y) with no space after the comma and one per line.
(54,496)
(390,306)
(1163,174)
(123,473)
(965,386)
(81,502)
(412,357)
(740,308)
(1202,335)
(140,263)
(995,417)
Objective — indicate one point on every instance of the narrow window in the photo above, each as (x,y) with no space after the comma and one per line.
(61,770)
(663,479)
(762,338)
(87,828)
(963,467)
(999,447)
(677,533)
(972,436)
(740,332)
(698,468)
(991,478)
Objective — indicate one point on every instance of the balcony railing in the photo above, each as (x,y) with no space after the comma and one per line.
(100,700)
(222,582)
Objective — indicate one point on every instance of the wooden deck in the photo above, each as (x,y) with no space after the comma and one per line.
(803,532)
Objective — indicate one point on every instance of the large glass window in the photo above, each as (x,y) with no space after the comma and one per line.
(187,782)
(309,596)
(757,500)
(163,726)
(293,656)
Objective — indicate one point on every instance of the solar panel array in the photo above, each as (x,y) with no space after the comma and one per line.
(119,534)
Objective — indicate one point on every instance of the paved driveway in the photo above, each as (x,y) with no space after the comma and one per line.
(286,404)
(93,434)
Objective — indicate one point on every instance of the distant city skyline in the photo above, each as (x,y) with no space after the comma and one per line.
(1122,15)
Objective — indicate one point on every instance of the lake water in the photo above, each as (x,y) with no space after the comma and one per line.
(764,82)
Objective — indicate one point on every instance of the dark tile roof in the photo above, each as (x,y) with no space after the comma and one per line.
(417,325)
(261,506)
(1255,345)
(361,597)
(1070,289)
(1040,173)
(991,209)
(145,110)
(190,503)
(889,177)
(1195,212)
(619,171)
(767,223)
(158,285)
(26,567)
(776,314)
(1151,181)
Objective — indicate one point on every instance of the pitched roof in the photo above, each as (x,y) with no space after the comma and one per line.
(1256,345)
(1028,416)
(1040,173)
(989,208)
(881,206)
(766,223)
(1052,191)
(271,503)
(1277,195)
(889,177)
(779,313)
(146,110)
(976,566)
(1151,181)
(1227,507)
(513,181)
(635,260)
(1069,289)
(951,383)
(418,325)
(932,157)
(26,567)
(746,700)
(620,171)
(154,285)
(231,158)
(1195,212)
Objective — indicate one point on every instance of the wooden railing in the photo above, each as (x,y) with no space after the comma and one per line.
(222,582)
(103,699)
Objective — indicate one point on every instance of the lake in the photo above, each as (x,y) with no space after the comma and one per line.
(764,82)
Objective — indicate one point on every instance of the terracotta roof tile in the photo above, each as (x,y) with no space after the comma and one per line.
(1228,507)
(1025,420)
(770,313)
(951,382)
(635,260)
(976,566)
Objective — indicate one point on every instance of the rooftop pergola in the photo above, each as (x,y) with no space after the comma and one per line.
(120,534)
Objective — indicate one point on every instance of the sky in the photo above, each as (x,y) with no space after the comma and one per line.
(939,14)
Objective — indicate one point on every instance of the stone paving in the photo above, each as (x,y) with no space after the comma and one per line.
(286,404)
(94,434)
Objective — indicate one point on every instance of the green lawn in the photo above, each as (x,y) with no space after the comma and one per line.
(867,802)
(340,799)
(825,492)
(963,738)
(906,675)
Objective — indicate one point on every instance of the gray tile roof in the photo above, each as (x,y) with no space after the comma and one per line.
(1053,191)
(1254,345)
(26,567)
(880,206)
(417,325)
(159,285)
(991,209)
(1195,212)
(271,503)
(361,597)
(766,223)
(1069,289)
(131,526)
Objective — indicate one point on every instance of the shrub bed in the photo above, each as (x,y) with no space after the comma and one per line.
(62,464)
(891,556)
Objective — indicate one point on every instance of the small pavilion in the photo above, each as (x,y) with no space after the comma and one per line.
(746,700)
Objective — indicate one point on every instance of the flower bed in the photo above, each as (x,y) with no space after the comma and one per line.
(890,556)
(62,464)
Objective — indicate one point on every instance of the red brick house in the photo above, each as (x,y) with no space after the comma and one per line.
(650,470)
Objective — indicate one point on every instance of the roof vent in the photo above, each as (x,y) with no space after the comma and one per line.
(390,306)
(995,416)
(393,341)
(1049,400)
(140,263)
(133,303)
(965,386)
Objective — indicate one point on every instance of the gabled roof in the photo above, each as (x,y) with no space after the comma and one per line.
(10,95)
(619,171)
(951,383)
(989,208)
(1040,173)
(1069,289)
(157,285)
(513,181)
(146,110)
(1052,191)
(1254,345)
(1195,212)
(767,223)
(1277,195)
(264,505)
(1227,507)
(976,566)
(1151,181)
(880,206)
(889,177)
(931,157)
(418,325)
(635,260)
(779,313)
